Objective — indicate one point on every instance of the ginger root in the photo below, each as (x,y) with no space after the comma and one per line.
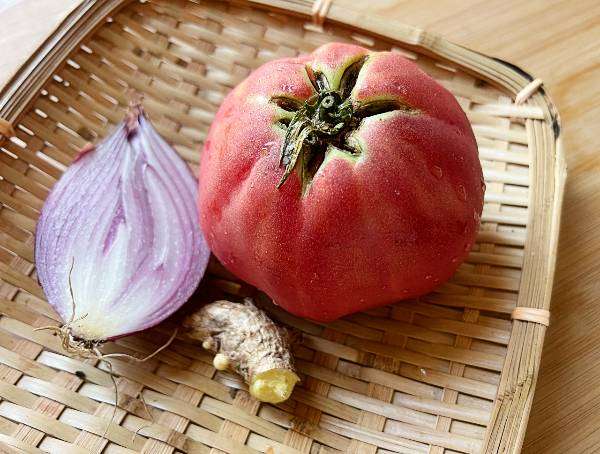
(246,340)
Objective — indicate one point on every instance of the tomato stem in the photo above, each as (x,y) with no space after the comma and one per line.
(326,119)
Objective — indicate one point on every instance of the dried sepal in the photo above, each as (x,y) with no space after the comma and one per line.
(327,118)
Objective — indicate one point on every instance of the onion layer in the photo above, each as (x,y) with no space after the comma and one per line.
(120,230)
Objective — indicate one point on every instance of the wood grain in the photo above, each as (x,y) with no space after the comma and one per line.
(25,25)
(558,42)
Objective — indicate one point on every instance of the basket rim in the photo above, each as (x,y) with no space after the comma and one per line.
(519,373)
(88,15)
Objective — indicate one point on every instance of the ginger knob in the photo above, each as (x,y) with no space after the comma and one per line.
(247,341)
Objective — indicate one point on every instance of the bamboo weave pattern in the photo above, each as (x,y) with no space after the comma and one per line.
(417,377)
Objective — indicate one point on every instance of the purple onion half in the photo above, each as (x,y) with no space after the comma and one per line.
(124,218)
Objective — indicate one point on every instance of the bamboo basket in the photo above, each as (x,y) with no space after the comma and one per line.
(452,372)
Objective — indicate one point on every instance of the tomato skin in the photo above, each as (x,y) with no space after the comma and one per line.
(390,225)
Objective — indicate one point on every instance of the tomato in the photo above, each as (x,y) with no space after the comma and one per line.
(340,181)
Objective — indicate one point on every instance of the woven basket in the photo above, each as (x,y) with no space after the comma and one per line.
(451,372)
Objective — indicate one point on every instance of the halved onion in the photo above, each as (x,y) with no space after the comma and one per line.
(118,243)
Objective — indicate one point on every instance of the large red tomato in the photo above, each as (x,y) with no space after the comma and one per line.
(340,181)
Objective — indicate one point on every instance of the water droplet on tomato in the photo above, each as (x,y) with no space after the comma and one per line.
(267,147)
(437,172)
(467,247)
(462,193)
(454,259)
(428,277)
(405,291)
(476,216)
(436,281)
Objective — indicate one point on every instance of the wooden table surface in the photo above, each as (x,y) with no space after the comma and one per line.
(558,41)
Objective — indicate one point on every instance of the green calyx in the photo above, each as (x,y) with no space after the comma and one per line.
(326,119)
(323,119)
